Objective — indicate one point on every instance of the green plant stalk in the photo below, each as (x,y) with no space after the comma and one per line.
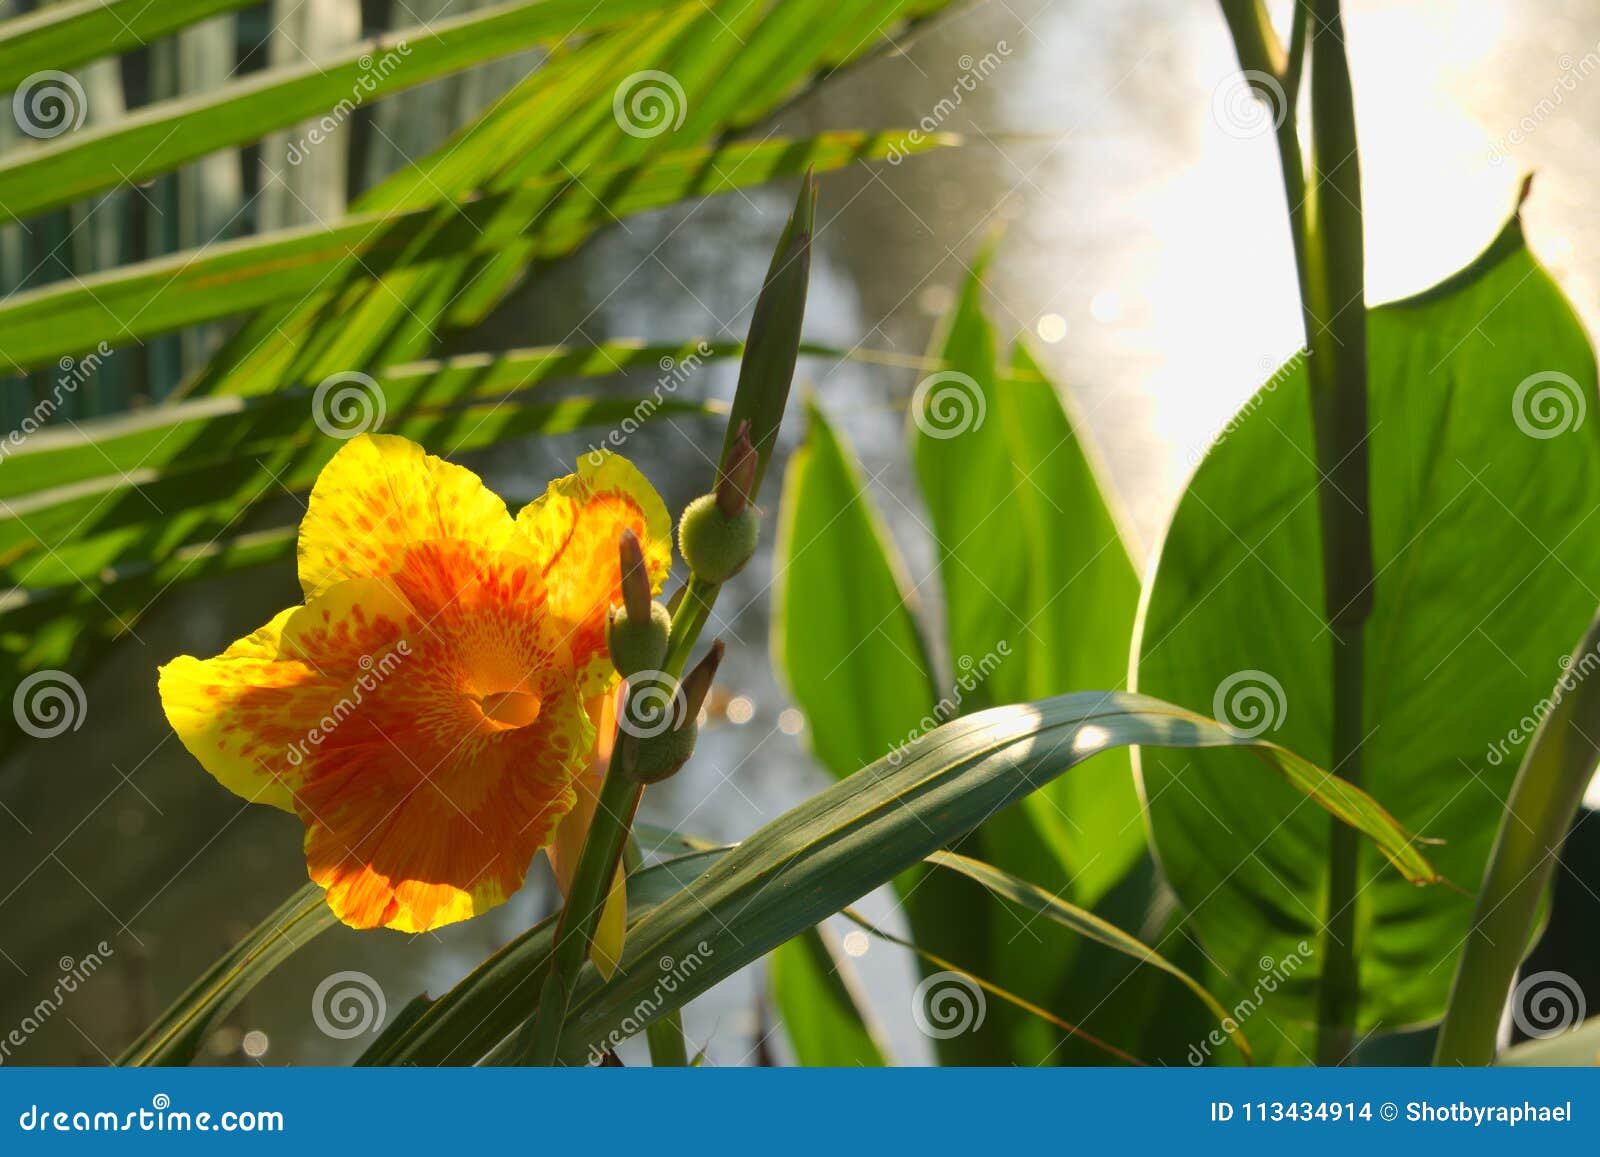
(1336,262)
(1325,219)
(539,1040)
(771,348)
(1545,798)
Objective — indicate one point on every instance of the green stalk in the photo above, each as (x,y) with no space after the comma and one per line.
(1325,216)
(1543,803)
(765,374)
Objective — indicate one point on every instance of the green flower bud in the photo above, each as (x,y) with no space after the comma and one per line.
(660,757)
(638,644)
(715,545)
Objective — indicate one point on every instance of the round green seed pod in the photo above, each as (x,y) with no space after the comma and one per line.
(638,645)
(661,756)
(715,546)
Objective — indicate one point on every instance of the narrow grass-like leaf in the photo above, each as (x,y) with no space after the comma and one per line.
(159,138)
(1085,923)
(60,36)
(176,1037)
(137,301)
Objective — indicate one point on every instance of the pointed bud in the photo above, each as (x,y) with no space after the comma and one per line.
(661,756)
(736,482)
(635,578)
(697,683)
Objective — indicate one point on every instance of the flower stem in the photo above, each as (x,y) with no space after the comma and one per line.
(1325,216)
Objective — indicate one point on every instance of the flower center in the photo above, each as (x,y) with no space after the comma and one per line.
(510,708)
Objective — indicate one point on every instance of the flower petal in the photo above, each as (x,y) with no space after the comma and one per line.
(427,802)
(573,531)
(380,494)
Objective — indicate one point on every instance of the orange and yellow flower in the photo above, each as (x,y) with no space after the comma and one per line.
(430,713)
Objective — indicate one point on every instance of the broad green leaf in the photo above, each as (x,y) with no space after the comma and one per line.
(59,36)
(177,1036)
(1040,593)
(862,831)
(137,301)
(824,1011)
(1485,483)
(1578,1047)
(849,650)
(162,136)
